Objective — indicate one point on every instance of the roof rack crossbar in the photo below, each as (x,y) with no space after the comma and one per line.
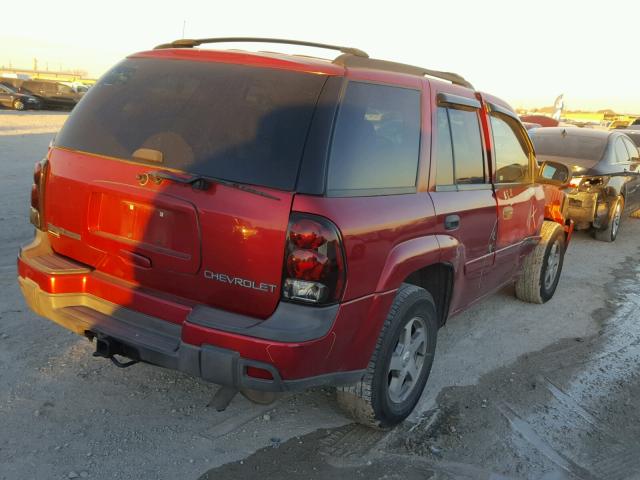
(353,61)
(190,43)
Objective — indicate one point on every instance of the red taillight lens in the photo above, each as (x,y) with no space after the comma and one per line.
(306,233)
(307,265)
(314,269)
(35,196)
(37,173)
(36,193)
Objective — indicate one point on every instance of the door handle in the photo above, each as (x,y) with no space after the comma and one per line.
(451,222)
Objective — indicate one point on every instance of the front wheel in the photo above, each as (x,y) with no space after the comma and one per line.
(610,233)
(400,364)
(18,105)
(542,267)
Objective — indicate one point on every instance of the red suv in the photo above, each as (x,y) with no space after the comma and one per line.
(273,222)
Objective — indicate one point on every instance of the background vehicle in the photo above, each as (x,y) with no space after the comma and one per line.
(51,94)
(634,135)
(606,179)
(530,125)
(271,222)
(618,124)
(542,120)
(18,101)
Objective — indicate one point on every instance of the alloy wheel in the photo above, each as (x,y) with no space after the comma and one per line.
(553,262)
(407,360)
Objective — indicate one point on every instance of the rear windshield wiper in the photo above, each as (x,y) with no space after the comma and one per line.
(197,182)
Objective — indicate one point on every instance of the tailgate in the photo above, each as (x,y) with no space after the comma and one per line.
(223,247)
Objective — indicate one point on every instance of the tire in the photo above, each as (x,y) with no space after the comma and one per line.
(610,233)
(385,396)
(542,267)
(18,105)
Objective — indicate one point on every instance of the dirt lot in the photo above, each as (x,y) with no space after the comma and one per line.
(517,390)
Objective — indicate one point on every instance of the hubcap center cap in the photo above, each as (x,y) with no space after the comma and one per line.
(405,358)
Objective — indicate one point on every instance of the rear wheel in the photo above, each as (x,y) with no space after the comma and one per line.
(542,267)
(400,364)
(18,104)
(610,233)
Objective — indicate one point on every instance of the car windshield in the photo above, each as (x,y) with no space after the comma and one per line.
(235,122)
(7,89)
(576,150)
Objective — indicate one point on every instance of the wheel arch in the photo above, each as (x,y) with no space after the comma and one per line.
(437,279)
(429,262)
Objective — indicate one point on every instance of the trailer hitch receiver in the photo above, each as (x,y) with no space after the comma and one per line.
(108,347)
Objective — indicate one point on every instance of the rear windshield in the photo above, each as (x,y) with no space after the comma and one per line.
(581,150)
(235,122)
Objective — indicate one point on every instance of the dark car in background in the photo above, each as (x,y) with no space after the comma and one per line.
(606,174)
(16,100)
(51,94)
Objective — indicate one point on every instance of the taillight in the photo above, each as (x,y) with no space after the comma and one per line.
(314,267)
(36,214)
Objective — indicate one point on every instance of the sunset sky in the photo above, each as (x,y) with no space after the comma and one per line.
(526,52)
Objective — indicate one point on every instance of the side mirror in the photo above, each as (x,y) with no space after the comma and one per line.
(554,173)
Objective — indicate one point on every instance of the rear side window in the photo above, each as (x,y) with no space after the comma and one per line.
(512,151)
(376,140)
(236,122)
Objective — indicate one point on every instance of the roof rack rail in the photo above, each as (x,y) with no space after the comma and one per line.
(190,43)
(347,60)
(350,57)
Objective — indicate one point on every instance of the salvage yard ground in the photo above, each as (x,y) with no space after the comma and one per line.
(517,390)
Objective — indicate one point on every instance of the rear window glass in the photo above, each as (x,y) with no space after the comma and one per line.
(235,122)
(581,150)
(376,141)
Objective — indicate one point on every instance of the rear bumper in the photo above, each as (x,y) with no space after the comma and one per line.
(582,207)
(326,346)
(588,209)
(157,342)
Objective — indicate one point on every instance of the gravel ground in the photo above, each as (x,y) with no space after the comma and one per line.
(517,390)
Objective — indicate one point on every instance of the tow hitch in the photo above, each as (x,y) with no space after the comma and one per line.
(107,347)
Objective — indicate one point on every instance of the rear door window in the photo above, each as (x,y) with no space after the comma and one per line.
(443,149)
(236,122)
(459,153)
(467,147)
(376,141)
